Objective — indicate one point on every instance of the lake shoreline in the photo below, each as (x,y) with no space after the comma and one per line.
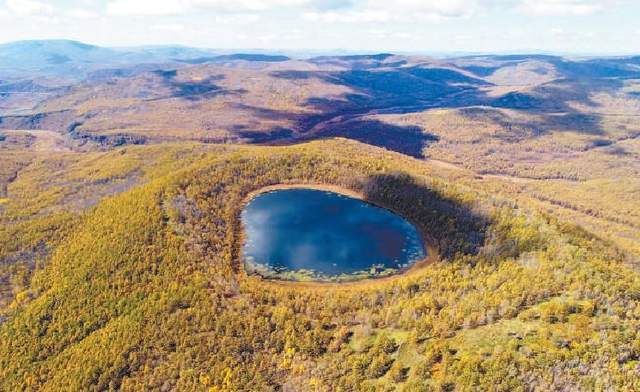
(432,255)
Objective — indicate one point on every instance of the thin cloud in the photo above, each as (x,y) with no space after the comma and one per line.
(170,27)
(78,13)
(237,19)
(437,8)
(28,8)
(331,11)
(147,7)
(364,16)
(442,25)
(248,5)
(331,5)
(561,7)
(180,7)
(370,11)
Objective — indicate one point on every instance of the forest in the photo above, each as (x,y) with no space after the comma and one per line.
(124,274)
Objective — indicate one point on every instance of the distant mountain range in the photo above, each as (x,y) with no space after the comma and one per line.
(142,94)
(74,60)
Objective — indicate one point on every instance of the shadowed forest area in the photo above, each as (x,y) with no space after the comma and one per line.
(466,232)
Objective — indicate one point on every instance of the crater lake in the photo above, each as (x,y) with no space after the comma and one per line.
(310,234)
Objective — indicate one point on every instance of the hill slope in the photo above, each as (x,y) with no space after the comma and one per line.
(119,230)
(145,291)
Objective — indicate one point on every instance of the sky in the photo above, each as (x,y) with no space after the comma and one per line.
(419,26)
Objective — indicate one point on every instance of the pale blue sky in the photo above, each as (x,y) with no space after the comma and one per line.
(569,26)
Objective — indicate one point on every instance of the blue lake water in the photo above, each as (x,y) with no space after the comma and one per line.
(325,234)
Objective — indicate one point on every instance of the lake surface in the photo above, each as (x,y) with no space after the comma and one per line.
(315,234)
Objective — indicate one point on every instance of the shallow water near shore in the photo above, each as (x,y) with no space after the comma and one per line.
(309,234)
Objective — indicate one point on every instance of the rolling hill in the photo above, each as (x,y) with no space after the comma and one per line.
(124,171)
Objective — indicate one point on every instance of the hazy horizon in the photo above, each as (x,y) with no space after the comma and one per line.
(302,52)
(572,27)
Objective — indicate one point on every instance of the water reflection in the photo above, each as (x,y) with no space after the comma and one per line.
(324,234)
